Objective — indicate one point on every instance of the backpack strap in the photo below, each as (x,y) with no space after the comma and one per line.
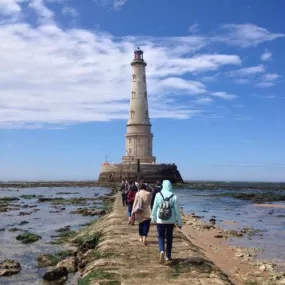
(162,196)
(166,199)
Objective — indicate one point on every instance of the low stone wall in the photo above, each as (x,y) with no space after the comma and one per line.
(149,172)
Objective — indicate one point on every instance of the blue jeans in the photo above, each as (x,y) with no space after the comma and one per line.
(165,231)
(144,228)
(130,207)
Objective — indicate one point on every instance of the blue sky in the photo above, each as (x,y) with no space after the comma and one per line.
(215,79)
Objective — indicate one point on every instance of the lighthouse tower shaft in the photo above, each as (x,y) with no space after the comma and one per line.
(138,136)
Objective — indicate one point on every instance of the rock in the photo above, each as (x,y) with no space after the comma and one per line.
(9,267)
(28,196)
(220,236)
(9,199)
(88,212)
(45,260)
(13,229)
(2,229)
(56,274)
(25,213)
(239,254)
(69,263)
(27,238)
(212,221)
(64,229)
(262,267)
(234,233)
(23,223)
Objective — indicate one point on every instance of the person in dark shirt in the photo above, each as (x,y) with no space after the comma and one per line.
(157,189)
(131,198)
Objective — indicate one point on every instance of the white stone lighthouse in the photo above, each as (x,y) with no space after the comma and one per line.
(138,136)
(138,161)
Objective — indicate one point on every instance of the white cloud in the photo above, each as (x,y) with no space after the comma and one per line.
(179,85)
(248,71)
(246,35)
(265,84)
(67,10)
(266,56)
(198,63)
(45,14)
(210,78)
(9,7)
(204,100)
(54,76)
(268,80)
(271,76)
(193,28)
(50,76)
(241,81)
(271,96)
(118,4)
(224,95)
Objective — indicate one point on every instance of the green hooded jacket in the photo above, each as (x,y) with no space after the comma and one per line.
(166,192)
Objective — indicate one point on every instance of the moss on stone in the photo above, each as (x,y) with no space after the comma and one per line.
(105,277)
(27,238)
(45,260)
(8,199)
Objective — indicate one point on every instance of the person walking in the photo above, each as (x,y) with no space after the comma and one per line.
(165,214)
(142,212)
(157,188)
(124,192)
(131,195)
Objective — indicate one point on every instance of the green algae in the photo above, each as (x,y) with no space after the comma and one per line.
(45,260)
(104,278)
(27,238)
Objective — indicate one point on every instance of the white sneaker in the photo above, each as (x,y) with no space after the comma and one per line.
(162,257)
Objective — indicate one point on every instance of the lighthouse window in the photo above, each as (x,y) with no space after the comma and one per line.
(134,77)
(132,114)
(130,141)
(144,78)
(146,114)
(145,94)
(133,94)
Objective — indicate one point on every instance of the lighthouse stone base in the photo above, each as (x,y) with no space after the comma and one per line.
(150,172)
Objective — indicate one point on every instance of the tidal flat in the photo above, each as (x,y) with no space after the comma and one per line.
(37,221)
(255,217)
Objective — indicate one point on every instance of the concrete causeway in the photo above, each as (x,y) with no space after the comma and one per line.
(121,258)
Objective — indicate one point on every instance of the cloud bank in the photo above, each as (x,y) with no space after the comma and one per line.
(55,76)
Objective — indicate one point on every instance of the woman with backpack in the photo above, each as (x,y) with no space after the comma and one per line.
(142,212)
(131,199)
(165,214)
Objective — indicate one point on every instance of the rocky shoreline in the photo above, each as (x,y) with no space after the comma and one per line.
(59,264)
(241,264)
(187,185)
(54,184)
(87,248)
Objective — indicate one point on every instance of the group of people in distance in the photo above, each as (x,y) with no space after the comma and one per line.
(157,205)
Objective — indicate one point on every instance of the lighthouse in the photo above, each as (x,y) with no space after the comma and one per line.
(138,159)
(138,139)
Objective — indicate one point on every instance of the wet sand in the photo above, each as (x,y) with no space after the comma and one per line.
(233,261)
(276,206)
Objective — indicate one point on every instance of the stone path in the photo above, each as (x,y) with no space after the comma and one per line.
(122,259)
